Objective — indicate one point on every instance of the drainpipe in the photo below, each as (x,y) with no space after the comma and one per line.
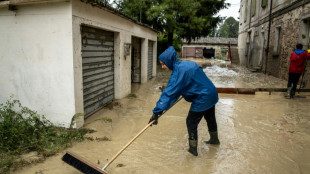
(250,15)
(268,38)
(250,40)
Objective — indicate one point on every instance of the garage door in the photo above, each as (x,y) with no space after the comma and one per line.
(198,52)
(189,52)
(150,60)
(98,68)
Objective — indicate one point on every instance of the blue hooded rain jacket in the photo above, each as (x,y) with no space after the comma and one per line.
(189,80)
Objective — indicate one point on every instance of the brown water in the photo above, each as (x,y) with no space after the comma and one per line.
(259,134)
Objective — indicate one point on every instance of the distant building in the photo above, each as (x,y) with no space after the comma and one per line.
(208,47)
(71,57)
(289,24)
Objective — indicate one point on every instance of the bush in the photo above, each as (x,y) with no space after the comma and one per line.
(23,130)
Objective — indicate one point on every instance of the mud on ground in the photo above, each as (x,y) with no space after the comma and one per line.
(259,133)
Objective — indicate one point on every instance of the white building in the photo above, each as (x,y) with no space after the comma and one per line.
(67,57)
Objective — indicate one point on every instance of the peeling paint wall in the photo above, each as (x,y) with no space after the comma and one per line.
(41,55)
(288,27)
(217,48)
(36,59)
(86,14)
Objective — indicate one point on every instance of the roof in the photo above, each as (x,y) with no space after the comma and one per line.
(213,40)
(101,4)
(23,2)
(96,3)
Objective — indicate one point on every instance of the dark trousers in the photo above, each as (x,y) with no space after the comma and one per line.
(293,78)
(194,118)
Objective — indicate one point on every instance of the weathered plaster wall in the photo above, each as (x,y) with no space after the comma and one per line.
(217,48)
(124,29)
(242,48)
(291,30)
(36,59)
(292,25)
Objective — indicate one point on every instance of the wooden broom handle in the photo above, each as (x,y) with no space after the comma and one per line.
(134,138)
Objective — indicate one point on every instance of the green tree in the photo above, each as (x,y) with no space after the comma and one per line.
(188,19)
(229,28)
(137,10)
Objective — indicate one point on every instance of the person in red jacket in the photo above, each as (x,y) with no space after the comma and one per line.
(296,68)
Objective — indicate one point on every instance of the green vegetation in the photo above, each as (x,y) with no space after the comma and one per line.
(23,130)
(223,53)
(188,19)
(228,29)
(132,95)
(106,119)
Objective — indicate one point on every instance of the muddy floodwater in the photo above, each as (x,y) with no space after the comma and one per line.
(259,133)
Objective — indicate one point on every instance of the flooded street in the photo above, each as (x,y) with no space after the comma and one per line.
(259,133)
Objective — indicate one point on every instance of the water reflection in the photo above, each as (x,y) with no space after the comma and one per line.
(259,133)
(240,77)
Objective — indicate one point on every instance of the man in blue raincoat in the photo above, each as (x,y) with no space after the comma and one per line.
(189,80)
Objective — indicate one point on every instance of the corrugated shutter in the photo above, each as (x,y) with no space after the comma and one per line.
(98,68)
(189,52)
(198,52)
(150,60)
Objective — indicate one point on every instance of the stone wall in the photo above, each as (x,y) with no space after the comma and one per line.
(290,19)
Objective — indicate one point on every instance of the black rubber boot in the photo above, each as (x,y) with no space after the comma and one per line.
(288,93)
(292,93)
(192,147)
(213,138)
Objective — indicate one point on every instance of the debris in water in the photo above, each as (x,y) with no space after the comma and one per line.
(112,105)
(162,88)
(132,95)
(103,139)
(120,165)
(206,64)
(98,139)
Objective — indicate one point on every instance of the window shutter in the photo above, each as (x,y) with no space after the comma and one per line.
(253,10)
(245,10)
(264,3)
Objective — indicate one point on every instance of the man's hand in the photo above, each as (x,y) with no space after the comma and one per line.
(154,117)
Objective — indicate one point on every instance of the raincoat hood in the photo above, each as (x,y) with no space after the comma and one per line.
(299,51)
(169,57)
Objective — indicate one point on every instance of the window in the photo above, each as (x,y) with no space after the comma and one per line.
(304,37)
(253,8)
(245,10)
(264,3)
(276,46)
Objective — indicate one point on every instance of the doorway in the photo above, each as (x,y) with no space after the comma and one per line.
(136,60)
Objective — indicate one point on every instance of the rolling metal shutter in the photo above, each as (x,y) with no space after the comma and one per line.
(189,52)
(150,60)
(98,68)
